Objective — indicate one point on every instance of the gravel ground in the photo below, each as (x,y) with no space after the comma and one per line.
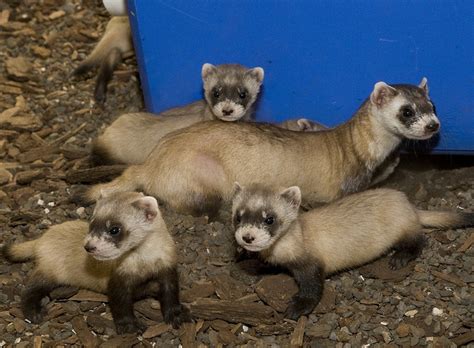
(47,123)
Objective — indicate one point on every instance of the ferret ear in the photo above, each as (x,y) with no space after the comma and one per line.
(304,124)
(103,193)
(382,93)
(256,73)
(237,189)
(207,69)
(292,195)
(424,85)
(149,206)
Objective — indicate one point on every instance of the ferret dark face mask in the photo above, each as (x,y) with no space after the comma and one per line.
(230,89)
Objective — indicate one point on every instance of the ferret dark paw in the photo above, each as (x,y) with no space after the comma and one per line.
(399,260)
(129,325)
(299,306)
(177,315)
(34,314)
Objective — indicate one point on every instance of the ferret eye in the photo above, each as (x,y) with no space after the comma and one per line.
(217,94)
(408,112)
(269,220)
(243,95)
(238,218)
(114,230)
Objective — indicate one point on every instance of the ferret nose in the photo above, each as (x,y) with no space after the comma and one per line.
(432,127)
(227,112)
(89,248)
(248,238)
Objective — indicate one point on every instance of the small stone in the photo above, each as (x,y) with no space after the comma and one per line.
(56,14)
(428,320)
(40,51)
(402,330)
(414,341)
(411,313)
(319,330)
(437,311)
(81,211)
(386,336)
(18,68)
(5,176)
(417,331)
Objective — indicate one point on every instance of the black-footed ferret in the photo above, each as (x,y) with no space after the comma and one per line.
(107,54)
(193,170)
(124,251)
(230,90)
(341,235)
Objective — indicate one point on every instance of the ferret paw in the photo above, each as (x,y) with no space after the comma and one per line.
(34,314)
(399,260)
(129,325)
(177,315)
(299,306)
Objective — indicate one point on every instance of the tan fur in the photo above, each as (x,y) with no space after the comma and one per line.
(117,35)
(325,165)
(20,252)
(132,137)
(59,253)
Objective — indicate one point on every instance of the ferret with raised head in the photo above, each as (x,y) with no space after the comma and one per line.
(230,90)
(124,251)
(107,54)
(193,170)
(344,234)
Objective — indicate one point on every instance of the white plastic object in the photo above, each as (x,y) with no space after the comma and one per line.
(116,7)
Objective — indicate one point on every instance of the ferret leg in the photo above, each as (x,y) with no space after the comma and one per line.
(106,70)
(310,278)
(385,169)
(38,287)
(409,248)
(121,299)
(174,312)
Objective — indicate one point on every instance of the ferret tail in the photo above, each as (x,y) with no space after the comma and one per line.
(106,70)
(100,154)
(19,252)
(444,219)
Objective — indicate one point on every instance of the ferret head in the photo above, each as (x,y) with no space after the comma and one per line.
(405,110)
(231,89)
(120,223)
(261,215)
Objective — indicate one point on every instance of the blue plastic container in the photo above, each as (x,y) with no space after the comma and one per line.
(321,57)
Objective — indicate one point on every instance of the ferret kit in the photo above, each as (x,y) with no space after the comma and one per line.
(125,252)
(230,92)
(341,235)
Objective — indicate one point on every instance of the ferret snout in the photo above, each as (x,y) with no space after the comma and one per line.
(227,112)
(248,238)
(432,127)
(89,247)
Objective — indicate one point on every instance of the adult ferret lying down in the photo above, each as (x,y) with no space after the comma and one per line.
(230,91)
(343,234)
(125,252)
(193,170)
